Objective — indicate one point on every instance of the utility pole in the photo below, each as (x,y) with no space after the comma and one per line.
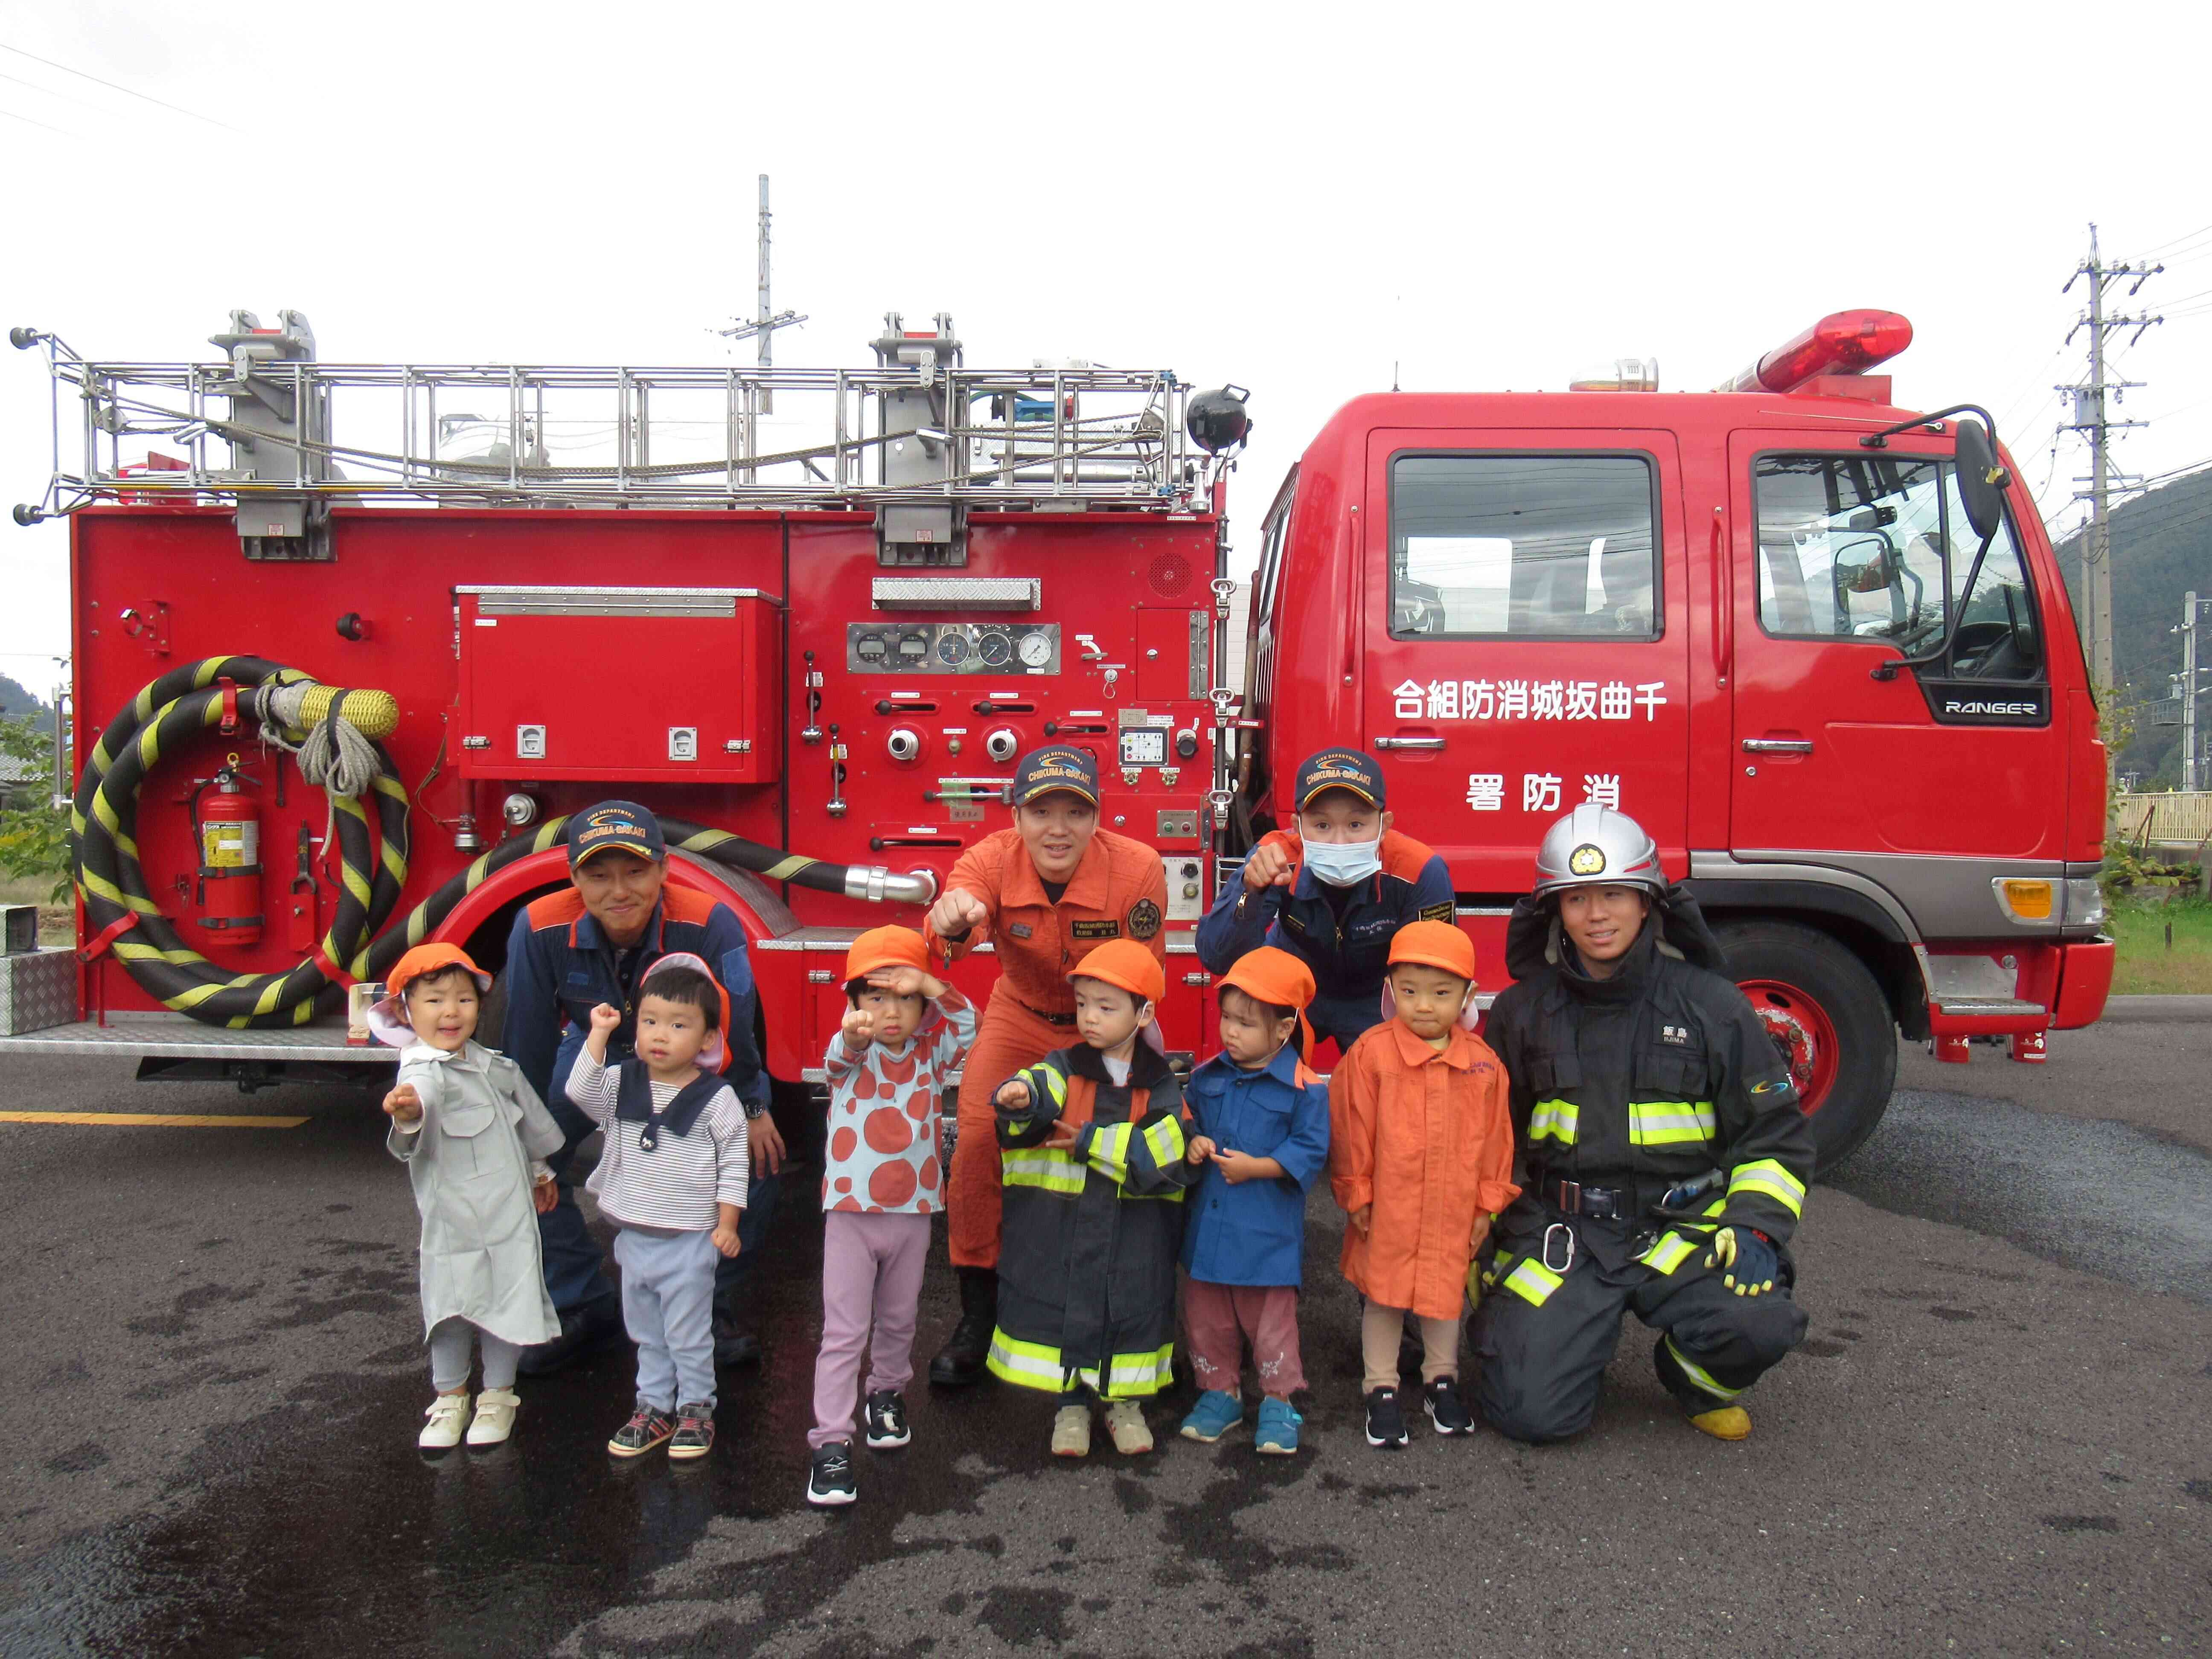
(2191,776)
(2090,416)
(761,330)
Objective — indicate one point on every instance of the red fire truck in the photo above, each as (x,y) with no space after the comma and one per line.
(351,639)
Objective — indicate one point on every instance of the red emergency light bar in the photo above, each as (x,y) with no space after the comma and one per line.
(1843,342)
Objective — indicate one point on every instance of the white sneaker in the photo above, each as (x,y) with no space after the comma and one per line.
(447,1413)
(495,1417)
(1125,1421)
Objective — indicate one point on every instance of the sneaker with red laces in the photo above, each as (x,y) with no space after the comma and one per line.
(648,1427)
(694,1432)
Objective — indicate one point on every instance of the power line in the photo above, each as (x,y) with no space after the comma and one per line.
(2202,230)
(49,126)
(128,92)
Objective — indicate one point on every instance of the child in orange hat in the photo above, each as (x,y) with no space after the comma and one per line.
(1420,1161)
(474,1138)
(1262,1121)
(905,1032)
(1092,1138)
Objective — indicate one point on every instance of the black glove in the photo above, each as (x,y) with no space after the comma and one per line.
(1747,1258)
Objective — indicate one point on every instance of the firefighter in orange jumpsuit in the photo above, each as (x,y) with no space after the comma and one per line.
(1045,892)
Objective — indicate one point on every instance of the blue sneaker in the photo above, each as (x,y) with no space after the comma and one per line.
(1214,1415)
(1278,1432)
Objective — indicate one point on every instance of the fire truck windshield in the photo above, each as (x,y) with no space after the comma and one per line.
(1865,547)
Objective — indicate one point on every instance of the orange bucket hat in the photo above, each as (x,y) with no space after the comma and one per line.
(1124,963)
(886,947)
(1435,945)
(388,1016)
(1280,979)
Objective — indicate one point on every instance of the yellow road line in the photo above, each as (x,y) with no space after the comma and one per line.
(153,1120)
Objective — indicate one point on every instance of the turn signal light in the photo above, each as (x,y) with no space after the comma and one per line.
(2025,900)
(1845,343)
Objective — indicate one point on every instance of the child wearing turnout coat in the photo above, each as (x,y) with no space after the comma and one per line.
(904,1031)
(1421,1162)
(1262,1122)
(1093,1141)
(474,1138)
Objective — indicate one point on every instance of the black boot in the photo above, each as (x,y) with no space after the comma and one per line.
(960,1362)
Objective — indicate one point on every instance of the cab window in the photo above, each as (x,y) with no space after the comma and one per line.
(1482,546)
(1857,547)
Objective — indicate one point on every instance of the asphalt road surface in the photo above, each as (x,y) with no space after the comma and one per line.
(1998,1438)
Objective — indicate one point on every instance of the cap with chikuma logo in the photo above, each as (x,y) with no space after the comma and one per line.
(618,826)
(1341,769)
(1055,766)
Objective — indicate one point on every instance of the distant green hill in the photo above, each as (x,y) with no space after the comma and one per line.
(14,700)
(2161,549)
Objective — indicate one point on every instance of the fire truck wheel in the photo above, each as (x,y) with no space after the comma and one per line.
(1828,1017)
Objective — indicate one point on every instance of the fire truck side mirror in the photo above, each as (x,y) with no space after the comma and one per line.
(1982,479)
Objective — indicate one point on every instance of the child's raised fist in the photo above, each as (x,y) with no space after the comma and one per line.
(1013,1095)
(606,1017)
(859,1029)
(402,1104)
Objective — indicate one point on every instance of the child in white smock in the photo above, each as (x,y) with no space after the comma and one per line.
(474,1136)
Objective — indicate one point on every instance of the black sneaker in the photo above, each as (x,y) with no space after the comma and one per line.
(694,1432)
(645,1429)
(1385,1424)
(887,1420)
(1447,1411)
(831,1483)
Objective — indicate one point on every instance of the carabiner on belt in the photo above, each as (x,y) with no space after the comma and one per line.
(1562,1229)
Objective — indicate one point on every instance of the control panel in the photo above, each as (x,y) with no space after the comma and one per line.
(880,647)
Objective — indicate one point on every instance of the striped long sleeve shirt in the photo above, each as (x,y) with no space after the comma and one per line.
(678,1182)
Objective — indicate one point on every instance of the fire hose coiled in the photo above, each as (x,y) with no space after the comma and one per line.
(368,822)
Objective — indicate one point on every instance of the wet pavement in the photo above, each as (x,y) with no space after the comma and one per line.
(1998,1437)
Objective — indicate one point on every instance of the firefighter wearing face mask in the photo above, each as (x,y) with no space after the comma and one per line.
(1332,891)
(1661,1150)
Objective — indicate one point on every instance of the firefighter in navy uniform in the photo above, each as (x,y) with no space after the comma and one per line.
(1661,1150)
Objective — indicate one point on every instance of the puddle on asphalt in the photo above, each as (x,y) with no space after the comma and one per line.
(2101,1197)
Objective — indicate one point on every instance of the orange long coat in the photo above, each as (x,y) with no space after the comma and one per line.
(1425,1136)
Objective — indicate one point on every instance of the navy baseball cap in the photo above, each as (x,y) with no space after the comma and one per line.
(1055,766)
(1341,769)
(621,826)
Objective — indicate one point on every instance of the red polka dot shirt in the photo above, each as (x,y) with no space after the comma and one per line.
(883,1114)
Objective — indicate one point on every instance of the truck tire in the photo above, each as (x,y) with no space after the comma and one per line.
(1827,1015)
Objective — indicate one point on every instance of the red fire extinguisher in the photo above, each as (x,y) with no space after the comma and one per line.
(227,830)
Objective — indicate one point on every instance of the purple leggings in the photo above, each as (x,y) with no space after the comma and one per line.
(871,1286)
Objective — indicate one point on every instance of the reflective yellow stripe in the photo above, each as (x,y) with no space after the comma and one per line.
(1040,1166)
(1128,1374)
(1555,1119)
(1164,1139)
(1047,1081)
(1769,1179)
(1671,1122)
(1532,1281)
(1669,1253)
(1699,1375)
(1110,1148)
(1025,1364)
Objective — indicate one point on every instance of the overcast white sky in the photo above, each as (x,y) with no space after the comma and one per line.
(1287,195)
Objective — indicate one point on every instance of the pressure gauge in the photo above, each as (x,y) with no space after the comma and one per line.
(1036,650)
(995,648)
(952,649)
(871,647)
(913,646)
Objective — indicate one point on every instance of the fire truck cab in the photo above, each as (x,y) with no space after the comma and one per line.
(1816,643)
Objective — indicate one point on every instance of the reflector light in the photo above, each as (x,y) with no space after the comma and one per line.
(1843,342)
(2025,900)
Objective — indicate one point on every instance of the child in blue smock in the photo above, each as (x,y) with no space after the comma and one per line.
(1261,1121)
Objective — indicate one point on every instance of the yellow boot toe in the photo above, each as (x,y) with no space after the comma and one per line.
(1723,1423)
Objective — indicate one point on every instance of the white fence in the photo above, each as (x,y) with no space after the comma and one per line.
(2175,820)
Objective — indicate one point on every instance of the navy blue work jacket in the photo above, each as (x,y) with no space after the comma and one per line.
(1255,1233)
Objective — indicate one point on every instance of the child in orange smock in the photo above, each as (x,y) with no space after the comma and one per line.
(1420,1161)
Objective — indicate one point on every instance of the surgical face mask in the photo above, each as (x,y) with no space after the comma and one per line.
(1342,864)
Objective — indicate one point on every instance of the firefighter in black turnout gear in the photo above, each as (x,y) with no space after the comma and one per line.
(1661,1153)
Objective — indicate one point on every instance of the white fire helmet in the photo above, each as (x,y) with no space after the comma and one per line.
(1598,847)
